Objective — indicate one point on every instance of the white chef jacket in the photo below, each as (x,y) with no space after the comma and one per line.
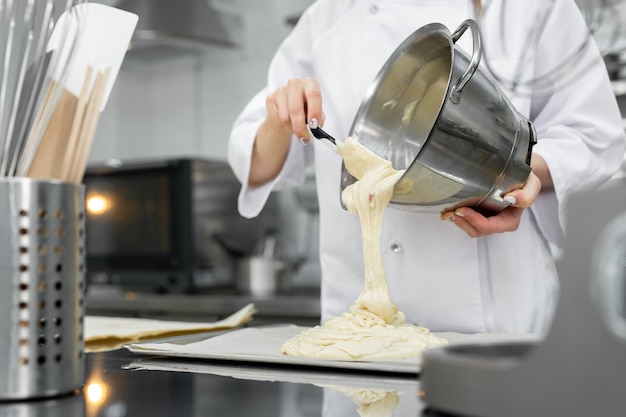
(437,275)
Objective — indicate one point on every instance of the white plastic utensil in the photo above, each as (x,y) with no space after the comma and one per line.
(104,34)
(109,31)
(112,31)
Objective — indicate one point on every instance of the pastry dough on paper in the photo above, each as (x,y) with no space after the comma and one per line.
(108,333)
(373,328)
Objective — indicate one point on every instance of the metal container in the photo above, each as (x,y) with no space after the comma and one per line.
(262,277)
(41,288)
(270,269)
(433,112)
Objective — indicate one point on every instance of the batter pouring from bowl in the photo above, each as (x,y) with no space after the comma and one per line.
(373,328)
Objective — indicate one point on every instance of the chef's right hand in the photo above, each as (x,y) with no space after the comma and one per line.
(288,109)
(292,105)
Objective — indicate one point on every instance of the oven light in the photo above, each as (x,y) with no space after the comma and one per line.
(97,204)
(96,392)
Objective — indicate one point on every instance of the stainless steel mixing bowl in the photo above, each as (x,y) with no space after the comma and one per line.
(433,112)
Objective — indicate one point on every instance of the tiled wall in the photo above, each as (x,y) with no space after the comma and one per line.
(185,105)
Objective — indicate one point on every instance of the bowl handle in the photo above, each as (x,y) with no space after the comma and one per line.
(455,91)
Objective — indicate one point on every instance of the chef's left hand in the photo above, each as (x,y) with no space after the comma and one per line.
(476,225)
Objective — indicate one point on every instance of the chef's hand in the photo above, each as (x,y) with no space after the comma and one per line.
(290,106)
(476,225)
(288,109)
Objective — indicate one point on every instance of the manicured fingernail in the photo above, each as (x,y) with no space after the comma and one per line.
(304,141)
(510,200)
(458,213)
(313,123)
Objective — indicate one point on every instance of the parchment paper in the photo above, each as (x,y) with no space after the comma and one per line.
(108,333)
(263,345)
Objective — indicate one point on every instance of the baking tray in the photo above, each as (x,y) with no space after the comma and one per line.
(263,345)
(253,371)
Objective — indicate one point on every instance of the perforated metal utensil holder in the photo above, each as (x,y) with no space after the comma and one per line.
(42,268)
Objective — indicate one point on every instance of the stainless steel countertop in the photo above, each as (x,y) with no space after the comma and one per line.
(200,389)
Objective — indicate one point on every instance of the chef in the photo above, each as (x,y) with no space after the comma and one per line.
(461,271)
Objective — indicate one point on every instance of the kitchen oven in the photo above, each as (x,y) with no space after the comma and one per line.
(161,225)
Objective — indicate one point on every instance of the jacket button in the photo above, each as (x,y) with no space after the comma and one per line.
(395,247)
(373,9)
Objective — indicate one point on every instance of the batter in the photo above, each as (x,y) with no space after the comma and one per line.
(373,328)
(372,402)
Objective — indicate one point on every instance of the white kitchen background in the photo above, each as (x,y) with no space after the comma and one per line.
(180,103)
(184,102)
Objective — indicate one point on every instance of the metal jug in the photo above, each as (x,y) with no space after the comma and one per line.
(42,288)
(433,112)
